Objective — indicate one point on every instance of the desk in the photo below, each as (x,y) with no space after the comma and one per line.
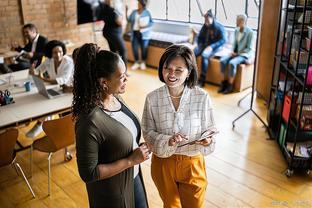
(31,105)
(8,56)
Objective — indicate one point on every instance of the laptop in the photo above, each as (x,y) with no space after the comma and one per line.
(49,93)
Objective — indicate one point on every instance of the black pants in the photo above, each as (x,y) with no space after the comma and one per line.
(116,43)
(20,65)
(139,194)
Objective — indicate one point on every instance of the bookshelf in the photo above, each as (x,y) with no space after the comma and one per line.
(290,104)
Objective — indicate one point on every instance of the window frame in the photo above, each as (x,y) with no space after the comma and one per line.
(216,14)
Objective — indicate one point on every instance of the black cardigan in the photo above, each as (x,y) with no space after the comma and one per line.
(39,51)
(101,139)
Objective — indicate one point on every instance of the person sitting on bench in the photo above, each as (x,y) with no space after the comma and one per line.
(210,38)
(242,51)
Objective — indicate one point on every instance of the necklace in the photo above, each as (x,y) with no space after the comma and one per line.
(174,97)
(110,107)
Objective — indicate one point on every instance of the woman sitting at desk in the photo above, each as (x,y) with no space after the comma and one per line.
(57,68)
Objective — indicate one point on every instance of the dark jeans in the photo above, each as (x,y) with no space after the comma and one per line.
(205,61)
(136,42)
(21,65)
(116,44)
(139,194)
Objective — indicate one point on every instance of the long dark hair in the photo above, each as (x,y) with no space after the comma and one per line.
(90,65)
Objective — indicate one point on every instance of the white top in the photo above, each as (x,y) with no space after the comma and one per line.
(193,118)
(136,26)
(34,43)
(125,120)
(64,73)
(239,36)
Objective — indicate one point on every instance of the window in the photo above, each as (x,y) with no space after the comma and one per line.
(188,10)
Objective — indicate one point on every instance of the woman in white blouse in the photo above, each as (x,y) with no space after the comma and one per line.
(58,68)
(177,123)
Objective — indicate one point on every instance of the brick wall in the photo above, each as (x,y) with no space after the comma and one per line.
(55,19)
(10,22)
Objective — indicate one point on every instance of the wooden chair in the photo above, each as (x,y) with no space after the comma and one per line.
(59,134)
(8,154)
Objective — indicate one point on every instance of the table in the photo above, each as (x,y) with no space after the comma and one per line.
(30,105)
(8,56)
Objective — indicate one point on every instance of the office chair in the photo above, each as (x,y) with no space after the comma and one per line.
(8,154)
(59,134)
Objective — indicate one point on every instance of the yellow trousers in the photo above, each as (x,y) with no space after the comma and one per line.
(181,180)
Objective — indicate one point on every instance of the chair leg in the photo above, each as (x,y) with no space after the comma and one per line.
(67,155)
(31,160)
(15,167)
(49,173)
(24,177)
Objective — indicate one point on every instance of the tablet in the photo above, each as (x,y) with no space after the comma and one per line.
(212,133)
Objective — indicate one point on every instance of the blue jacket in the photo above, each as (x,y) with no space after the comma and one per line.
(146,30)
(212,35)
(244,46)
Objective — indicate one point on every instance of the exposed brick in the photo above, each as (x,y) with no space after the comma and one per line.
(49,17)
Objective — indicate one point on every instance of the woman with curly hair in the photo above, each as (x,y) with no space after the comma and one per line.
(107,131)
(57,68)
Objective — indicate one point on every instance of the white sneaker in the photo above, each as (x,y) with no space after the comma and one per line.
(35,131)
(135,66)
(143,66)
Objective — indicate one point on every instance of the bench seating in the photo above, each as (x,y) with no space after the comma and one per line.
(164,34)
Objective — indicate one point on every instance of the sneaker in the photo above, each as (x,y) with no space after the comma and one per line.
(135,66)
(143,66)
(35,131)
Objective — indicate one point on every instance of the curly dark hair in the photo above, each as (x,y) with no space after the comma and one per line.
(75,54)
(187,54)
(52,44)
(90,65)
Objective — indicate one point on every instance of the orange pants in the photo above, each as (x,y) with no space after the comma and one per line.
(181,180)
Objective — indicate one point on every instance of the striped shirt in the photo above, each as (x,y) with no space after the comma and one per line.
(193,118)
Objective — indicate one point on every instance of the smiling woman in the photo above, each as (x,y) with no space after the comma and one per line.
(107,131)
(176,113)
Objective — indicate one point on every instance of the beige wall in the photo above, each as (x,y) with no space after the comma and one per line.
(266,46)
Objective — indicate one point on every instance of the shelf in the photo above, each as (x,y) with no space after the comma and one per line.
(284,132)
(293,8)
(294,122)
(291,71)
(273,88)
(299,23)
(296,161)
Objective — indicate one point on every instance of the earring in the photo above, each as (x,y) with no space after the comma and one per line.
(105,88)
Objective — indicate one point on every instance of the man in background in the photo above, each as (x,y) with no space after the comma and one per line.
(210,38)
(32,52)
(242,51)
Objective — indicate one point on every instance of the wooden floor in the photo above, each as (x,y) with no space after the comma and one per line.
(246,169)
